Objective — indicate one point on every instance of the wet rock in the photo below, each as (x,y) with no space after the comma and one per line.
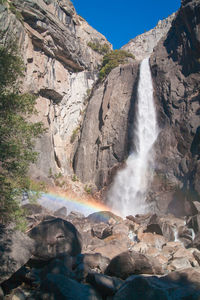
(131,262)
(196,242)
(55,237)
(16,248)
(101,230)
(184,232)
(60,287)
(194,222)
(105,285)
(197,205)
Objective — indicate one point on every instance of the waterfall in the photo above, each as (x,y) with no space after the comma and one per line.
(128,193)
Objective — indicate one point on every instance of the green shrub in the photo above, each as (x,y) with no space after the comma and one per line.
(100,48)
(17,150)
(57,176)
(17,13)
(87,189)
(74,178)
(74,134)
(113,60)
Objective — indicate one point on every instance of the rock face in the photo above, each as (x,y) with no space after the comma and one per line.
(104,141)
(142,45)
(175,66)
(60,68)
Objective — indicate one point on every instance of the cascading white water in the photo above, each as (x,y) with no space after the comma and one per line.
(128,193)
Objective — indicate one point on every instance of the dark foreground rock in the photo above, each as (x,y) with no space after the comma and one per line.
(55,237)
(16,249)
(131,262)
(62,288)
(177,285)
(105,285)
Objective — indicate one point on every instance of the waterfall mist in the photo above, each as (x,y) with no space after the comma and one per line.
(128,192)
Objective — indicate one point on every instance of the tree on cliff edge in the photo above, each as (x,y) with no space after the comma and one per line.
(17,135)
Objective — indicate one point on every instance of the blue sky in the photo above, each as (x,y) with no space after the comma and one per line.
(121,21)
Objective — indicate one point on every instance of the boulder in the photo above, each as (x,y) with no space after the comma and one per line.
(105,285)
(57,267)
(1,294)
(112,248)
(180,285)
(131,262)
(75,215)
(16,248)
(86,263)
(63,288)
(140,219)
(139,287)
(93,261)
(154,240)
(61,212)
(120,228)
(179,263)
(55,237)
(103,216)
(101,230)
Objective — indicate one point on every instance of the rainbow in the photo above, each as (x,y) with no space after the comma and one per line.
(54,200)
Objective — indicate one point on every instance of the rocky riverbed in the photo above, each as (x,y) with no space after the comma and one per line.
(101,256)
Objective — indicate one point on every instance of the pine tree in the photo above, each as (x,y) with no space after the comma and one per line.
(17,134)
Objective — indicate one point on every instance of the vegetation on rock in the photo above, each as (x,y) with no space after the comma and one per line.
(100,48)
(113,60)
(17,135)
(74,134)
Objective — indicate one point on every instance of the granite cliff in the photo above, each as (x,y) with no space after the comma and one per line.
(142,45)
(175,65)
(60,69)
(89,122)
(174,48)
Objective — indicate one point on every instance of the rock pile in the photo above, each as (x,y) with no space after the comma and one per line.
(100,257)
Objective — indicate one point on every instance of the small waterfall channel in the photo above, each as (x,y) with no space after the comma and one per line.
(128,193)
